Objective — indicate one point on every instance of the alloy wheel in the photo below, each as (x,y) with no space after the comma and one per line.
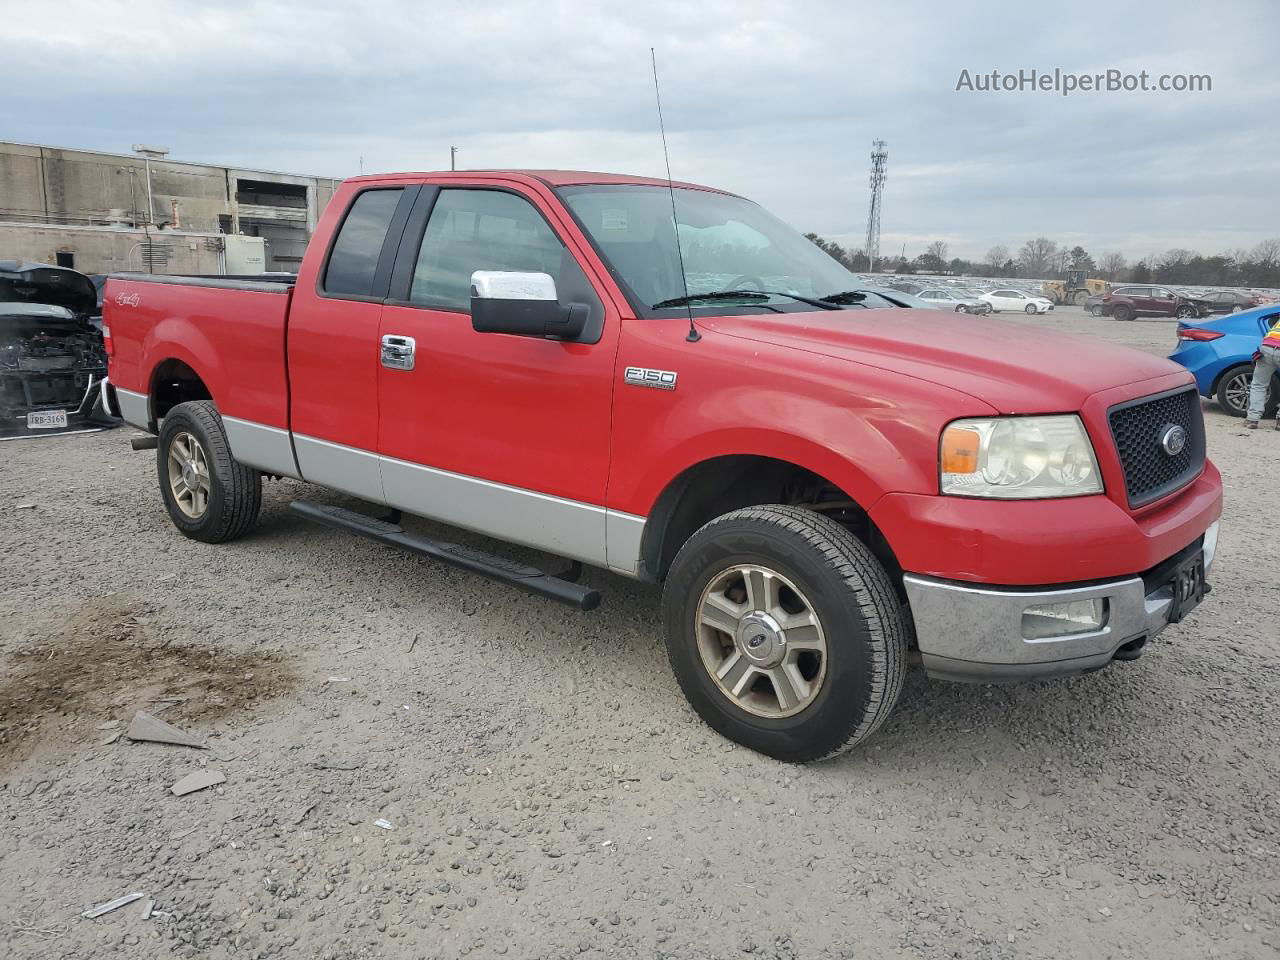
(189,475)
(760,640)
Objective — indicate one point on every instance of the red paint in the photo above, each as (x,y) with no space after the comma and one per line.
(858,397)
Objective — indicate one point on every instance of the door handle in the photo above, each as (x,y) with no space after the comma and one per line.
(397,352)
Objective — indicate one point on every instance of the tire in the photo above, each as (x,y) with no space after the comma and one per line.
(231,492)
(1236,308)
(962,309)
(1122,312)
(1032,308)
(1095,311)
(1186,312)
(856,618)
(1080,297)
(1233,392)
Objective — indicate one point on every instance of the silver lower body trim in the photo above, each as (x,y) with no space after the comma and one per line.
(135,408)
(352,471)
(264,448)
(563,527)
(567,528)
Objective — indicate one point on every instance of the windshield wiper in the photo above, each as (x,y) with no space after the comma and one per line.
(740,295)
(846,298)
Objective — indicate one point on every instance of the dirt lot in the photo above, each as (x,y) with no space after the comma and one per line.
(549,792)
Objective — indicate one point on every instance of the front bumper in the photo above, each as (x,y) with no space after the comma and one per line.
(974,633)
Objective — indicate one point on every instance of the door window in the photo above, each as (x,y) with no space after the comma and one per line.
(472,230)
(353,261)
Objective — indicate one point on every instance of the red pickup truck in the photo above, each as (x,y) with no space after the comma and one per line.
(824,489)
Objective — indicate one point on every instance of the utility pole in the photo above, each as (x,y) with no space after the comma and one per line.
(879,162)
(453,158)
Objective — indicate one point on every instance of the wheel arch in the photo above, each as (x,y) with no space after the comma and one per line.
(719,484)
(174,381)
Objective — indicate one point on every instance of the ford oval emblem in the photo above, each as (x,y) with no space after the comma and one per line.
(1173,439)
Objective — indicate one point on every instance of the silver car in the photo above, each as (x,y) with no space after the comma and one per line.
(955,300)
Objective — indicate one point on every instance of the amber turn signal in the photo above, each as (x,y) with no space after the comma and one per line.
(960,450)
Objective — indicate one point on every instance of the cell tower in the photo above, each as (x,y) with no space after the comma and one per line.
(879,161)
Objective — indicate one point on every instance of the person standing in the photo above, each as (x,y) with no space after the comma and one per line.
(1266,362)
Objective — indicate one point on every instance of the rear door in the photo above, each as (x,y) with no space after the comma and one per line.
(507,435)
(333,341)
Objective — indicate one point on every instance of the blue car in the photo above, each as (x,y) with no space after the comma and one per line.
(1219,354)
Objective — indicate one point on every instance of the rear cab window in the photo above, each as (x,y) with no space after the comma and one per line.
(358,250)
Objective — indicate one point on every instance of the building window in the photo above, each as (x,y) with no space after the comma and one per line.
(66,259)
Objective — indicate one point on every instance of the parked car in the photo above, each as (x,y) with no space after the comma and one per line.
(52,361)
(900,298)
(1143,300)
(819,495)
(1230,301)
(1006,298)
(1093,304)
(955,300)
(1219,353)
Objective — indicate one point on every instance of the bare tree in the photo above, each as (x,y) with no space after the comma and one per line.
(996,258)
(937,249)
(1038,256)
(1267,254)
(1112,265)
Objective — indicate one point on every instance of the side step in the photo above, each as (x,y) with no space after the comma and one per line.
(495,568)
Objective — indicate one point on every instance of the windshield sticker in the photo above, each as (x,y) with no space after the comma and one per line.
(613,219)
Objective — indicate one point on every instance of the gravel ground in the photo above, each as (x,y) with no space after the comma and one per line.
(548,791)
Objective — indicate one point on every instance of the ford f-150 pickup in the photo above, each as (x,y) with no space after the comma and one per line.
(666,381)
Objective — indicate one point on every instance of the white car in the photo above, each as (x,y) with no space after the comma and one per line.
(1008,299)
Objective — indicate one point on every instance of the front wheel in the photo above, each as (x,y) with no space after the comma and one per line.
(209,495)
(1031,308)
(784,632)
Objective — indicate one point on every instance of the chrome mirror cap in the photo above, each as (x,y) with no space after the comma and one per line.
(512,285)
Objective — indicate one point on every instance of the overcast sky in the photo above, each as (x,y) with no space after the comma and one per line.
(777,101)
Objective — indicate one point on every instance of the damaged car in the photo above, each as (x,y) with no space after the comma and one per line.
(52,360)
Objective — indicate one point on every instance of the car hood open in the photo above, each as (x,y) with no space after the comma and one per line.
(1014,367)
(39,283)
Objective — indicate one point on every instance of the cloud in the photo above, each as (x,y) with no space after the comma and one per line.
(778,101)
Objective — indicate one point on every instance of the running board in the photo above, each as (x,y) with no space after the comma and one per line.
(495,568)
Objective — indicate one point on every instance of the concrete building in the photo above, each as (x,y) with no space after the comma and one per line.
(109,212)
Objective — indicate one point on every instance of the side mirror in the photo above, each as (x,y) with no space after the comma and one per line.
(524,304)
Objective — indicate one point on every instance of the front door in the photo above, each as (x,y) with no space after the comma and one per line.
(506,435)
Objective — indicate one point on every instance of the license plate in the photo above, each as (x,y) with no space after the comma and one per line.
(46,419)
(1188,587)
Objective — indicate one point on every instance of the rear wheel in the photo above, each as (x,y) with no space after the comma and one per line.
(962,309)
(1080,297)
(784,632)
(1095,311)
(1185,312)
(1122,312)
(209,495)
(1233,392)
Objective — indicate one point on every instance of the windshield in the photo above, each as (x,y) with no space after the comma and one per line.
(729,244)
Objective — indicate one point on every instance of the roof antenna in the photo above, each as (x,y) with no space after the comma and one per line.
(693,335)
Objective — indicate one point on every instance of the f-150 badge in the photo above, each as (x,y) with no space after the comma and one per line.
(644,377)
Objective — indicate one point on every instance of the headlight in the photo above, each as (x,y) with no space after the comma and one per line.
(1018,458)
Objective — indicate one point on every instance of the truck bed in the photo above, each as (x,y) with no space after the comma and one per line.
(231,329)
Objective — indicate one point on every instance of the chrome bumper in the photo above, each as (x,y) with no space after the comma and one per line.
(976,633)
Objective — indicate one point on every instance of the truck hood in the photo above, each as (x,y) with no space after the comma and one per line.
(39,283)
(1013,367)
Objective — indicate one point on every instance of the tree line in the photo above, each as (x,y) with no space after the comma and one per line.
(1044,259)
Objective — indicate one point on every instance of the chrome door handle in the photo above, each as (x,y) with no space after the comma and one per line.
(397,352)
